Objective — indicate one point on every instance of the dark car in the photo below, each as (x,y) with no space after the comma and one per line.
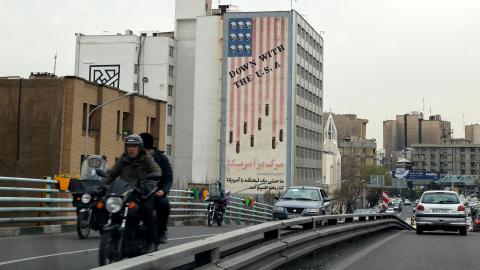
(475,219)
(302,201)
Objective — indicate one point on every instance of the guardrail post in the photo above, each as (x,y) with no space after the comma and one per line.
(271,235)
(207,257)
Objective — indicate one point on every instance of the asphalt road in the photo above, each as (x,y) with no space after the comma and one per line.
(66,251)
(406,250)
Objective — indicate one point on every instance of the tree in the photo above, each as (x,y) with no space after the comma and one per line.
(348,194)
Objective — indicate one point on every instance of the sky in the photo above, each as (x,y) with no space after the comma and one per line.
(381,57)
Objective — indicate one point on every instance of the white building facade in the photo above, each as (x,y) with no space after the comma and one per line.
(144,64)
(332,161)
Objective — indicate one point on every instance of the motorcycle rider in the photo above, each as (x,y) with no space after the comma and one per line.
(162,205)
(133,166)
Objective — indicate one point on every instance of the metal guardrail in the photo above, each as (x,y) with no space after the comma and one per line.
(184,207)
(263,246)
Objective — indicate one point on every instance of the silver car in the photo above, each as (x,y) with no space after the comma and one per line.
(302,201)
(441,210)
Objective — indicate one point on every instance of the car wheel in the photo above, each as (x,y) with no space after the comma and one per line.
(419,230)
(463,231)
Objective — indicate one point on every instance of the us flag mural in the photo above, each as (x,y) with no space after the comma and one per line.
(256,50)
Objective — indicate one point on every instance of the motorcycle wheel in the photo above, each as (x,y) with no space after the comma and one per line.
(107,253)
(210,217)
(83,224)
(219,219)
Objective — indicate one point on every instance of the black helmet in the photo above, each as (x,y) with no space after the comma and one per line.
(133,139)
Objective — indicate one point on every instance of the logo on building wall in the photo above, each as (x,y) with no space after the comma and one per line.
(105,75)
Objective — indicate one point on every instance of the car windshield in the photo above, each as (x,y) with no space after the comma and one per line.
(440,198)
(304,194)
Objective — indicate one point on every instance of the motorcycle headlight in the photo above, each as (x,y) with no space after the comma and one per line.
(114,204)
(279,209)
(312,211)
(86,198)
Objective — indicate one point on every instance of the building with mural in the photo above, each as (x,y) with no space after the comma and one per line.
(271,102)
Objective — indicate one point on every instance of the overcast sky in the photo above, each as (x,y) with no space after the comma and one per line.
(382,57)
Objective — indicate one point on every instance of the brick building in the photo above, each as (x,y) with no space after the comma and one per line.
(44,124)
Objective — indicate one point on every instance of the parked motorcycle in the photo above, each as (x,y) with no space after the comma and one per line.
(87,193)
(124,235)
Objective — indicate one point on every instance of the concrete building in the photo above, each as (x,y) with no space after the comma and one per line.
(272,88)
(331,158)
(46,120)
(472,133)
(348,125)
(356,155)
(144,64)
(412,128)
(453,157)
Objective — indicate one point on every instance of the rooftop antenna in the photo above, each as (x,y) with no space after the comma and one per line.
(423,105)
(291,4)
(430,110)
(55,63)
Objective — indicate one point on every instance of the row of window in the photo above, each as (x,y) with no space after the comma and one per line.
(448,150)
(308,153)
(308,173)
(309,77)
(308,115)
(443,156)
(314,62)
(308,134)
(309,38)
(308,95)
(170,70)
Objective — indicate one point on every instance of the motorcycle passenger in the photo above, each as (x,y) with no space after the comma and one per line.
(133,166)
(162,205)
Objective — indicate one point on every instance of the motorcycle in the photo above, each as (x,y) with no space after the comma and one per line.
(87,194)
(214,213)
(124,236)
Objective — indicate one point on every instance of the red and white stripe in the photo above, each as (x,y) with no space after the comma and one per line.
(385,199)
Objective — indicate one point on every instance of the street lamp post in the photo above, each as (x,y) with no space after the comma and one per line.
(89,113)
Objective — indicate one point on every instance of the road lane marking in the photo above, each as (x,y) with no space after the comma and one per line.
(362,253)
(86,250)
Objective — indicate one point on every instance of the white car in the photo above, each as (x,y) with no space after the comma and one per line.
(390,210)
(441,210)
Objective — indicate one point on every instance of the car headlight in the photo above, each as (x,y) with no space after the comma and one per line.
(279,209)
(312,211)
(114,204)
(86,198)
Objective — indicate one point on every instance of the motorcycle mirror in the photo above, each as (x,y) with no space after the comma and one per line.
(101,172)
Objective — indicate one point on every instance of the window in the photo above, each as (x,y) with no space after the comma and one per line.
(170,90)
(135,69)
(170,110)
(126,124)
(169,130)
(170,71)
(118,123)
(135,87)
(154,128)
(170,51)
(169,150)
(94,123)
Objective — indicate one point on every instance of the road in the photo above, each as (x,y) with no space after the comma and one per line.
(66,251)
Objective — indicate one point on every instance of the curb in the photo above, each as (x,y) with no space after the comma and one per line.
(47,229)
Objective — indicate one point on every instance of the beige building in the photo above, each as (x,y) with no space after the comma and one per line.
(412,128)
(453,157)
(348,125)
(472,133)
(356,155)
(46,124)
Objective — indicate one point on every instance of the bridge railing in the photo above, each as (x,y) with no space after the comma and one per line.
(263,246)
(49,204)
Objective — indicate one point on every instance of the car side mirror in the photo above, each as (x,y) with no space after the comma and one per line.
(101,172)
(276,198)
(326,199)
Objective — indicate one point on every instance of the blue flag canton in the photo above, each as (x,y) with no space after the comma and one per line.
(240,36)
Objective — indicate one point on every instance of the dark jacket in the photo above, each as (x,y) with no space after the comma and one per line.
(132,170)
(167,178)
